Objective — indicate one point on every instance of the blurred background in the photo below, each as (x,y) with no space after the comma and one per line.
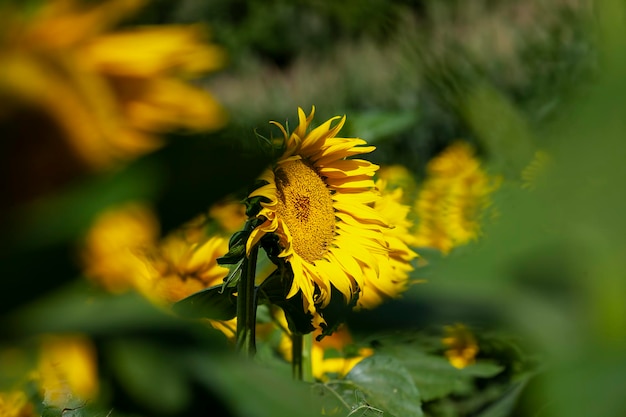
(95,113)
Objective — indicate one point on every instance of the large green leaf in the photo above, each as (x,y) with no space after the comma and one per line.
(250,390)
(386,384)
(216,302)
(343,398)
(150,375)
(505,405)
(433,374)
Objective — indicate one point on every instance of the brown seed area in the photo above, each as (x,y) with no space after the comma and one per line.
(306,206)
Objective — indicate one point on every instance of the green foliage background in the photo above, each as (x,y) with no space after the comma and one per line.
(544,289)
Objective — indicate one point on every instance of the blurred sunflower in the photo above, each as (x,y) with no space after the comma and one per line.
(64,376)
(399,176)
(178,268)
(392,277)
(229,214)
(319,204)
(122,251)
(67,373)
(461,344)
(75,96)
(113,248)
(453,198)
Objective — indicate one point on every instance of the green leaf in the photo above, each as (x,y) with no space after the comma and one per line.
(377,125)
(387,385)
(77,308)
(150,374)
(341,398)
(331,397)
(215,302)
(251,390)
(504,406)
(433,374)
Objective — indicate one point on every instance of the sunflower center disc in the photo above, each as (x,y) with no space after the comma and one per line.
(306,207)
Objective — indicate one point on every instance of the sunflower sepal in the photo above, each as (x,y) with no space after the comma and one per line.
(236,254)
(253,205)
(274,291)
(236,249)
(335,312)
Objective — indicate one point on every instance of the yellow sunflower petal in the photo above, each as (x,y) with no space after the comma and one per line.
(341,281)
(348,167)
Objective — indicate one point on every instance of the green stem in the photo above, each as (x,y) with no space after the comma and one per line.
(296,356)
(246,306)
(307,358)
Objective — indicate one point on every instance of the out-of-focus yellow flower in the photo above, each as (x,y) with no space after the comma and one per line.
(399,176)
(108,94)
(453,198)
(15,404)
(462,345)
(65,374)
(395,265)
(122,251)
(179,268)
(67,370)
(230,215)
(115,245)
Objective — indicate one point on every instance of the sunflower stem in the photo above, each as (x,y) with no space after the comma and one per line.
(307,358)
(246,306)
(296,356)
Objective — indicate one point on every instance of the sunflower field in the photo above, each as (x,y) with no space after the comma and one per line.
(267,208)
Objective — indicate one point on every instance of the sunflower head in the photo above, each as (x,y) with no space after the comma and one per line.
(315,205)
(453,199)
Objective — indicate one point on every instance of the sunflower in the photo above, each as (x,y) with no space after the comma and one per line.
(399,176)
(67,373)
(71,81)
(64,376)
(122,251)
(320,206)
(453,200)
(178,268)
(229,215)
(113,248)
